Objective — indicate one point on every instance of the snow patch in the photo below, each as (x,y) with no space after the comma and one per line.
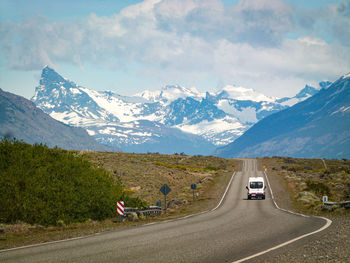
(342,109)
(346,76)
(290,102)
(169,94)
(75,91)
(70,118)
(142,134)
(229,128)
(47,105)
(245,115)
(125,112)
(90,132)
(240,93)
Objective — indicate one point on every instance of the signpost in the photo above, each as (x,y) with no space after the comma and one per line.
(193,187)
(325,199)
(265,168)
(165,189)
(120,210)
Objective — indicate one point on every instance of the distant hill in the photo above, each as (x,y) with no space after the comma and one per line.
(314,128)
(20,118)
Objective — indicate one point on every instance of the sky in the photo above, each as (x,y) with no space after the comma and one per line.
(275,47)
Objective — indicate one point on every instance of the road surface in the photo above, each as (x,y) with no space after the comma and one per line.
(237,229)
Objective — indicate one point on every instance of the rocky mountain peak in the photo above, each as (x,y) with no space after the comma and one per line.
(325,84)
(49,76)
(308,91)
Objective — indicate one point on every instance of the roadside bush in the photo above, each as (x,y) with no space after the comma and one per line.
(347,192)
(132,201)
(289,160)
(317,188)
(45,186)
(168,165)
(210,168)
(291,169)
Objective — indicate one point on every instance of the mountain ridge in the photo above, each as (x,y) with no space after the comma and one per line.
(217,118)
(317,127)
(20,118)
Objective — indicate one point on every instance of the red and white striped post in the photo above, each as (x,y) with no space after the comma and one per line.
(120,210)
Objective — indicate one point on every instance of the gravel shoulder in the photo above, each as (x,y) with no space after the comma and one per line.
(330,245)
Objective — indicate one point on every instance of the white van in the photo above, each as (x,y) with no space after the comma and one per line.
(256,187)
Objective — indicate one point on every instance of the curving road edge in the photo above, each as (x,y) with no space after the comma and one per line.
(327,224)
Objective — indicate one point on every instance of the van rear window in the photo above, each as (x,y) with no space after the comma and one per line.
(256,185)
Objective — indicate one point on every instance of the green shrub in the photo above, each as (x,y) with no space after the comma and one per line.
(346,194)
(168,165)
(210,168)
(44,186)
(317,188)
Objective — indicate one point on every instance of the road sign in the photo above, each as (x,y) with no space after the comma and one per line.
(120,208)
(193,187)
(325,199)
(165,189)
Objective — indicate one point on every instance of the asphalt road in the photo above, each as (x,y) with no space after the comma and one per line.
(236,229)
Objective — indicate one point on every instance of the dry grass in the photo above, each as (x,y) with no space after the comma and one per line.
(144,174)
(307,180)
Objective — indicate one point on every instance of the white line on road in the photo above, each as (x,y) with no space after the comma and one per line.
(51,242)
(203,212)
(273,199)
(328,223)
(228,186)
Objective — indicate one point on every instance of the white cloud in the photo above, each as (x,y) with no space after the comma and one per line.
(313,41)
(245,44)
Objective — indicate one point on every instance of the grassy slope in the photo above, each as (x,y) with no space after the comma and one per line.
(144,174)
(307,180)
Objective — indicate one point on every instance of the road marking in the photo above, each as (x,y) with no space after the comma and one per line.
(48,243)
(273,199)
(228,186)
(188,216)
(203,212)
(328,223)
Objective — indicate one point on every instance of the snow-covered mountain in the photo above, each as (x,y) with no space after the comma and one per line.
(158,120)
(318,127)
(304,94)
(21,119)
